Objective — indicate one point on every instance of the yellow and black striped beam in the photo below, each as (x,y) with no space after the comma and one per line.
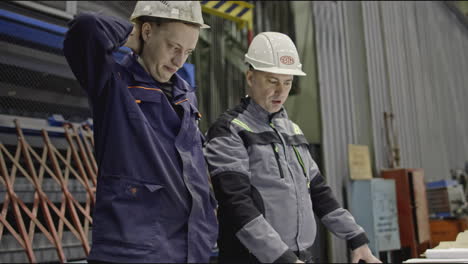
(240,12)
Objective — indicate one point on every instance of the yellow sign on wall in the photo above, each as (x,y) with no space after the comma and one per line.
(240,12)
(359,162)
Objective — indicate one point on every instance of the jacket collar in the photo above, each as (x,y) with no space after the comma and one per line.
(139,74)
(259,113)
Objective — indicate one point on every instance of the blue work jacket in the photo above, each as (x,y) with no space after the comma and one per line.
(153,201)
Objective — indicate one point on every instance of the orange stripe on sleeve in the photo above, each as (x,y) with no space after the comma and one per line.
(181,101)
(146,88)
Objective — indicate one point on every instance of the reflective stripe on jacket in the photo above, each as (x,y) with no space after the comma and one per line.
(268,187)
(153,201)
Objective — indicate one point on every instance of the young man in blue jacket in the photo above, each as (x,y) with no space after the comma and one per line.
(153,201)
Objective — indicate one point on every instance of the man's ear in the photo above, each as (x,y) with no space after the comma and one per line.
(249,77)
(146,30)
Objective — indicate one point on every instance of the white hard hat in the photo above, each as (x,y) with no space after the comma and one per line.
(274,52)
(187,11)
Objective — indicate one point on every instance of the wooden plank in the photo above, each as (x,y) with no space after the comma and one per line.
(422,211)
(405,212)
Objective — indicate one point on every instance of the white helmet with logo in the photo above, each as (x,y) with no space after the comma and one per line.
(186,11)
(274,52)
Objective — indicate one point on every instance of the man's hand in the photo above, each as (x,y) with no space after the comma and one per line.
(133,41)
(363,252)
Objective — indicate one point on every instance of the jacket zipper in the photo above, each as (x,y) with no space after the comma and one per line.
(301,162)
(277,155)
(275,150)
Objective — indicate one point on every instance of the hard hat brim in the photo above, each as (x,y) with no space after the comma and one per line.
(204,26)
(184,11)
(280,71)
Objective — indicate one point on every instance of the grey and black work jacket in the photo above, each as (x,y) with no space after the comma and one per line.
(268,187)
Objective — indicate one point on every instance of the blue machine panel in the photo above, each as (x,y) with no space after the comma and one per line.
(373,205)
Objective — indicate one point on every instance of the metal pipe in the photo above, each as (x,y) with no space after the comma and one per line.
(45,9)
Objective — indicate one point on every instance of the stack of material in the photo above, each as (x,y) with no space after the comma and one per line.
(447,251)
(444,198)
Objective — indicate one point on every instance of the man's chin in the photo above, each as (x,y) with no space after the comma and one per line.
(276,108)
(272,110)
(163,79)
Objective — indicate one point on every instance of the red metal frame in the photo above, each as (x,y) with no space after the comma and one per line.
(83,168)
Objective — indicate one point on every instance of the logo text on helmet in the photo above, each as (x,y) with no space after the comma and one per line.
(288,60)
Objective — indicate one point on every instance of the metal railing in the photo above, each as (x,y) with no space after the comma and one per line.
(51,219)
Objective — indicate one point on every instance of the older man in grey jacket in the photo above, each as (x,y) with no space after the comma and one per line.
(265,180)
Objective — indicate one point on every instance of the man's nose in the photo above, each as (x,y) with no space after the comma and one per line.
(178,60)
(281,88)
